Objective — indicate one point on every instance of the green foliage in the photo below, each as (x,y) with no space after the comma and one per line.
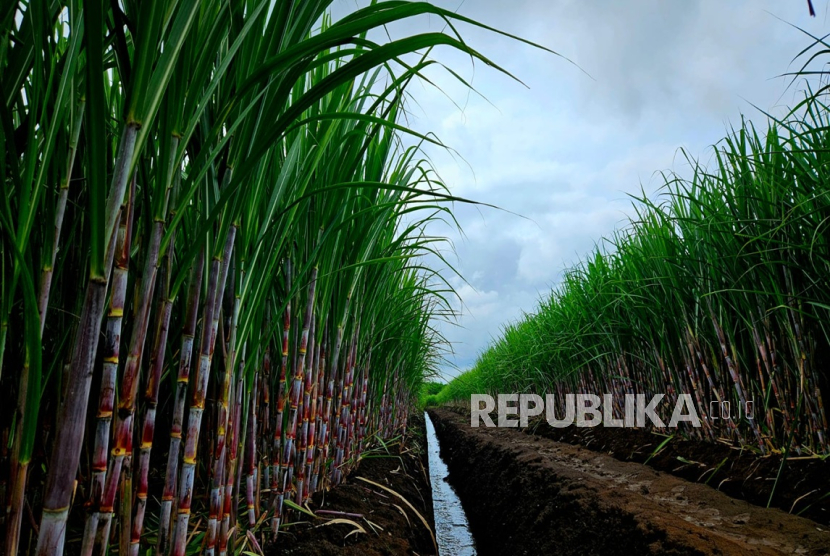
(462,387)
(432,388)
(719,288)
(428,394)
(261,138)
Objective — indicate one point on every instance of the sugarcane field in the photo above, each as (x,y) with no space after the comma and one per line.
(423,278)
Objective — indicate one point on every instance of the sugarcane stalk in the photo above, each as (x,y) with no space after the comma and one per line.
(297,383)
(264,462)
(226,488)
(229,511)
(223,422)
(329,407)
(27,414)
(362,414)
(18,473)
(151,398)
(235,399)
(310,419)
(306,412)
(764,358)
(216,287)
(48,271)
(339,373)
(121,456)
(125,492)
(160,345)
(217,481)
(277,486)
(317,410)
(72,414)
(736,379)
(345,405)
(106,397)
(185,357)
(197,407)
(250,455)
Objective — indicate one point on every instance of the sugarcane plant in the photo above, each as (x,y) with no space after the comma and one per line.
(221,209)
(716,289)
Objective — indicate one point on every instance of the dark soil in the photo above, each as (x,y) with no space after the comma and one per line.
(405,472)
(802,489)
(526,494)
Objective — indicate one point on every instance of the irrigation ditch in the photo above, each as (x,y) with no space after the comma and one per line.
(396,502)
(525,493)
(541,490)
(383,508)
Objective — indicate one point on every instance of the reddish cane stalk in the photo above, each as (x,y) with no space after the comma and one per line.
(72,414)
(250,456)
(151,397)
(297,384)
(106,397)
(188,333)
(216,287)
(228,512)
(125,487)
(128,391)
(277,485)
(306,412)
(310,421)
(220,450)
(317,436)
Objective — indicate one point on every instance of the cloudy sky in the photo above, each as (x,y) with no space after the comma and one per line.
(567,149)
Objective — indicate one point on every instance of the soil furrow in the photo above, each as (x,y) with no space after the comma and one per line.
(526,494)
(390,527)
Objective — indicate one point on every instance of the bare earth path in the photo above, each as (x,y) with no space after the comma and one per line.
(525,494)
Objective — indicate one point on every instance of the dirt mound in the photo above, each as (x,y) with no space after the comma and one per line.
(530,495)
(390,531)
(803,487)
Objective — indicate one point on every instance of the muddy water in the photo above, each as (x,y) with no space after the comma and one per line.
(452,531)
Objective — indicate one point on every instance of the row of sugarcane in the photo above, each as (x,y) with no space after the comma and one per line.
(182,181)
(717,289)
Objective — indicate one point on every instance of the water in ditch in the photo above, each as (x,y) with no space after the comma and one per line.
(451,528)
